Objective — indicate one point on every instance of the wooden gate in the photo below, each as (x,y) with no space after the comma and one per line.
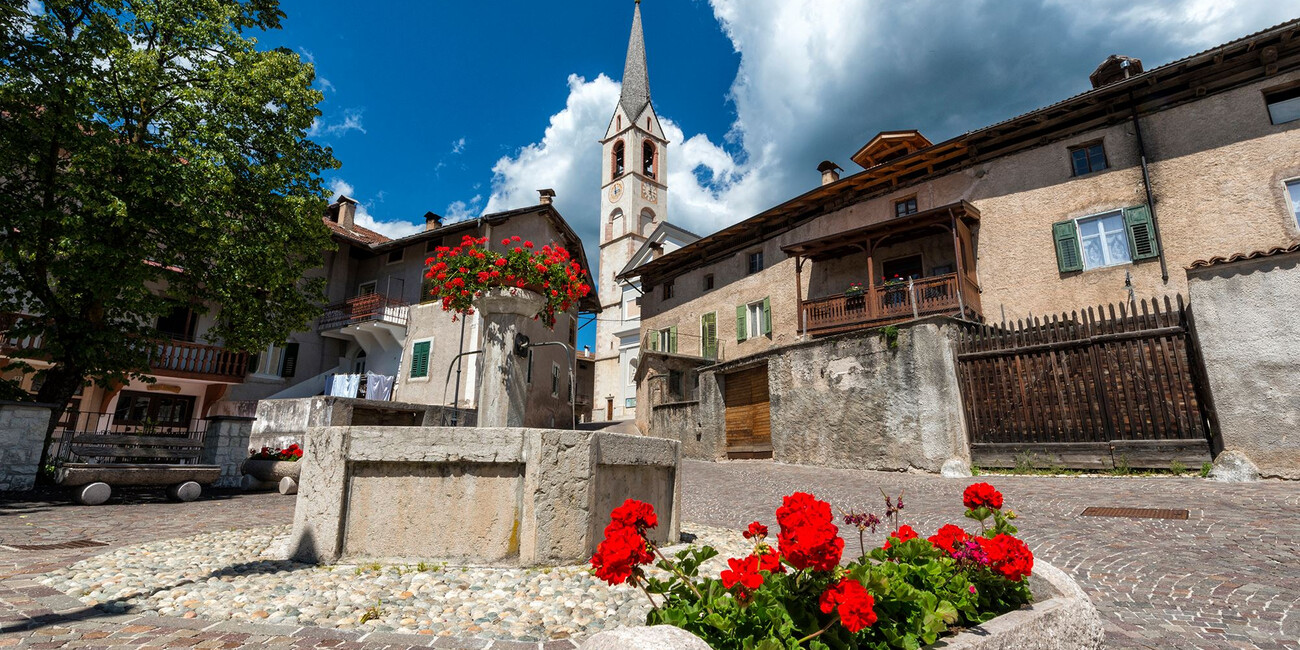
(749,414)
(1088,390)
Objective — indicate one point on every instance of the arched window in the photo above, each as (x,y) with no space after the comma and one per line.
(618,122)
(648,152)
(647,222)
(616,166)
(614,227)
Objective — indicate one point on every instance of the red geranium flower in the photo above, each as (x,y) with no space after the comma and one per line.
(808,539)
(743,572)
(755,530)
(903,534)
(852,602)
(635,514)
(619,554)
(770,560)
(947,536)
(1008,556)
(982,495)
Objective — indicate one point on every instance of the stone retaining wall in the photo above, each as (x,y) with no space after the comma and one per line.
(22,432)
(511,496)
(226,444)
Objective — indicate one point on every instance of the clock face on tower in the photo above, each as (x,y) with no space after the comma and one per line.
(616,191)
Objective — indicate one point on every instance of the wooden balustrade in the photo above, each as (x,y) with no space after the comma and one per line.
(361,309)
(882,305)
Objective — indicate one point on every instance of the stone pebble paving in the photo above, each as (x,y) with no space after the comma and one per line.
(244,576)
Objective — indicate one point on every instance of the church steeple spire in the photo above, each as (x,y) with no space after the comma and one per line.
(636,79)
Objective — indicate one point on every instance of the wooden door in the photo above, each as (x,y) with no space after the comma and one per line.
(749,414)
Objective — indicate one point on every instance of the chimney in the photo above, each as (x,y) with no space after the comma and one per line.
(432,221)
(830,172)
(1115,68)
(547,196)
(345,210)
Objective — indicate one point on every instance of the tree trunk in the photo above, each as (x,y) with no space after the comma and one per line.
(61,383)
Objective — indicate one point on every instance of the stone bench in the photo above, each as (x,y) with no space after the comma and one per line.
(136,461)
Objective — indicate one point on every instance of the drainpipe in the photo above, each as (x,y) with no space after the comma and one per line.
(1146,184)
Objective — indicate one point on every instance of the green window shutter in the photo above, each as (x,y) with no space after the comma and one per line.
(289,366)
(420,359)
(709,332)
(767,316)
(740,323)
(1141,233)
(1068,256)
(672,339)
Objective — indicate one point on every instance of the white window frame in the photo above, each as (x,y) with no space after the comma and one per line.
(754,320)
(665,337)
(428,376)
(271,351)
(373,284)
(1291,204)
(1105,250)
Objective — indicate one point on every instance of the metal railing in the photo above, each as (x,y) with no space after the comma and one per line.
(891,303)
(364,309)
(83,423)
(679,343)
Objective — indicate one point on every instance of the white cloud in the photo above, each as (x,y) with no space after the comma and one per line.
(841,71)
(458,146)
(351,122)
(307,55)
(395,229)
(325,84)
(462,210)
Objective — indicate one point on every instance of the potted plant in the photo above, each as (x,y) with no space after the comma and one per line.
(456,276)
(855,289)
(270,465)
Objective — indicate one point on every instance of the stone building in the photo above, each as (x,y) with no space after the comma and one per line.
(633,207)
(1091,200)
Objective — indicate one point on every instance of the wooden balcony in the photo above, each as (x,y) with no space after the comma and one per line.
(942,294)
(167,358)
(372,307)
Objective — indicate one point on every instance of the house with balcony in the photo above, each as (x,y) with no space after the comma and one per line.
(1097,199)
(380,319)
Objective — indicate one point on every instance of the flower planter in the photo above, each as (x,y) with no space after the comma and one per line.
(271,471)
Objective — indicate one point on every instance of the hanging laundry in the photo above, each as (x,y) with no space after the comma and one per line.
(344,385)
(378,386)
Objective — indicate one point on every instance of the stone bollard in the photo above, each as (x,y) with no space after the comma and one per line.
(503,381)
(288,485)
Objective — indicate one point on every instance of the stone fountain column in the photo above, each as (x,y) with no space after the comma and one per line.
(502,381)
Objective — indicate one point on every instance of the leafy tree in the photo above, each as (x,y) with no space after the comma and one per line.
(150,152)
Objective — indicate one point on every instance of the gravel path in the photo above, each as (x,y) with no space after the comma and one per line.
(244,576)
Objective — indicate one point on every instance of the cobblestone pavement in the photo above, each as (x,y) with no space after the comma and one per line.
(1227,577)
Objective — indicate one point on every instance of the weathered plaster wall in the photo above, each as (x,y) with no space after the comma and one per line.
(22,433)
(515,496)
(1246,317)
(852,401)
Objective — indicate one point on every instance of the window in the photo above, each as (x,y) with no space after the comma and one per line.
(269,361)
(1103,240)
(616,165)
(1088,158)
(904,207)
(667,290)
(1293,195)
(395,255)
(709,335)
(754,320)
(555,380)
(755,262)
(665,340)
(615,226)
(675,381)
(708,282)
(1283,105)
(420,358)
(366,288)
(178,324)
(648,159)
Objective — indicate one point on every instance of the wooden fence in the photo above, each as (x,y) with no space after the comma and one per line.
(1119,385)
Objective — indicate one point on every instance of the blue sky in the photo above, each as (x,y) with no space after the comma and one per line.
(462,108)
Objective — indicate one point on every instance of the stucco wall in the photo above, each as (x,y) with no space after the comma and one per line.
(22,433)
(1245,316)
(1217,168)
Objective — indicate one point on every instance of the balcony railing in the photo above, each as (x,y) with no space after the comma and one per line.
(166,357)
(687,345)
(941,294)
(372,307)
